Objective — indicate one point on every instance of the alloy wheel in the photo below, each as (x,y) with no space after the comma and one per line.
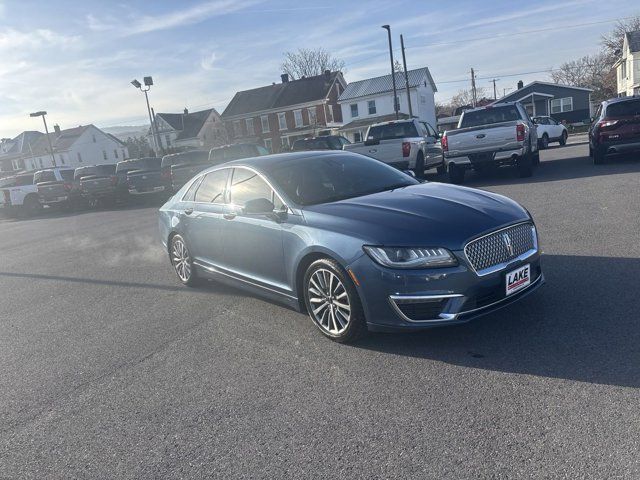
(181,261)
(330,306)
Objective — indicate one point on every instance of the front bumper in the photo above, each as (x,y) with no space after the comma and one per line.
(444,296)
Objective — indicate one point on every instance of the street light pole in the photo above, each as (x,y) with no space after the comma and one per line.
(148,81)
(406,76)
(393,75)
(42,114)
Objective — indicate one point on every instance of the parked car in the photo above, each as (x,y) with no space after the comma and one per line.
(57,188)
(178,168)
(356,243)
(227,153)
(139,176)
(490,137)
(404,144)
(550,130)
(615,129)
(97,183)
(19,195)
(324,142)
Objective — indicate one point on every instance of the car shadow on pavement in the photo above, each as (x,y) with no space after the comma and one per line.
(583,325)
(554,170)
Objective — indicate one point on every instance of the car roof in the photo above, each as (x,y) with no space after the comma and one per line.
(621,99)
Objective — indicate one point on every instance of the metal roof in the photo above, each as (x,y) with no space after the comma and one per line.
(373,86)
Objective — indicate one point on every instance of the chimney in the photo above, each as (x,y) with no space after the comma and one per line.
(327,75)
(56,128)
(186,111)
(284,77)
(520,84)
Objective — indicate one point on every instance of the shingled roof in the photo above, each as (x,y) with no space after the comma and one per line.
(23,143)
(281,95)
(60,141)
(188,124)
(633,39)
(376,85)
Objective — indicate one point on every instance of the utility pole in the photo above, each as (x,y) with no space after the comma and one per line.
(406,76)
(495,96)
(42,114)
(473,89)
(393,73)
(148,82)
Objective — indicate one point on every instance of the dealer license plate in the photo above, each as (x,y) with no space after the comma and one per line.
(518,279)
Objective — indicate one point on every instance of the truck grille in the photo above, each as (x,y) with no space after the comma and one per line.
(500,247)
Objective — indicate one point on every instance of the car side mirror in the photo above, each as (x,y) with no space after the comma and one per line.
(258,206)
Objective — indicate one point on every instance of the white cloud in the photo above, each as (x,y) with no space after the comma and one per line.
(12,39)
(207,62)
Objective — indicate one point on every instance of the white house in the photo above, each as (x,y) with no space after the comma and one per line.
(628,67)
(73,147)
(371,101)
(178,131)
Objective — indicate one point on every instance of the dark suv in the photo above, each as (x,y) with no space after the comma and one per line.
(326,142)
(615,129)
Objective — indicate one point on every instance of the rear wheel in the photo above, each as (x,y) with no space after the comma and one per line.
(182,261)
(441,169)
(598,156)
(525,165)
(563,138)
(31,206)
(456,174)
(419,170)
(333,302)
(544,141)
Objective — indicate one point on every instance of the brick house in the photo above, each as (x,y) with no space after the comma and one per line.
(278,114)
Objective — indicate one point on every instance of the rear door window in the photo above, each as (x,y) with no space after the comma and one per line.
(392,131)
(212,187)
(487,116)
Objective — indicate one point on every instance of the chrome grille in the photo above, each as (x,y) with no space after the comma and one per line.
(500,247)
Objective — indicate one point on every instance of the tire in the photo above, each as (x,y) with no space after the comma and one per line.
(536,158)
(331,297)
(544,142)
(182,262)
(419,170)
(31,206)
(525,165)
(456,174)
(598,156)
(563,138)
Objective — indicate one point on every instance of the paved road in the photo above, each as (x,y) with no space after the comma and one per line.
(110,369)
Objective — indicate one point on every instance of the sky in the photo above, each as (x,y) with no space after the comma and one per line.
(75,59)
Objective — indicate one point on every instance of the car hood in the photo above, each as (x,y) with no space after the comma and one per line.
(429,214)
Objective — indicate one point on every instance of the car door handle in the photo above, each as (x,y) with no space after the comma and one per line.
(188,211)
(229,215)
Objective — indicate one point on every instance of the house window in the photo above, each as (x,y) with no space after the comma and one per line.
(282,121)
(250,129)
(123,154)
(104,154)
(423,99)
(357,137)
(312,115)
(559,105)
(624,68)
(371,105)
(354,110)
(115,153)
(236,128)
(329,113)
(79,158)
(297,116)
(62,159)
(167,140)
(41,164)
(264,122)
(94,138)
(268,145)
(284,144)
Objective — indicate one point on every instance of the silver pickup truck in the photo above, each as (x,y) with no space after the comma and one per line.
(490,137)
(404,144)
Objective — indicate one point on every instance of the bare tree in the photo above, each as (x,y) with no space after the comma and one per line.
(612,42)
(591,71)
(309,63)
(397,67)
(465,97)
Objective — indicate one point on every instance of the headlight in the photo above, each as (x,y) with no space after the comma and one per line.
(411,257)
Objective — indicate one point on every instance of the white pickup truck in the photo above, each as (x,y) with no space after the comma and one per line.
(489,137)
(19,195)
(404,144)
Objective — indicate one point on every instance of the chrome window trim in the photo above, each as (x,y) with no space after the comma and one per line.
(503,265)
(395,299)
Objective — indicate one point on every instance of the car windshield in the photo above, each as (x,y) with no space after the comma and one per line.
(392,130)
(148,163)
(487,116)
(628,108)
(314,180)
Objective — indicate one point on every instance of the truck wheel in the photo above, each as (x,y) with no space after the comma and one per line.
(419,170)
(525,165)
(31,206)
(563,138)
(598,156)
(456,174)
(536,158)
(441,169)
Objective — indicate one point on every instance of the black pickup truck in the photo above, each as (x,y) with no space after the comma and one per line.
(178,168)
(97,183)
(139,176)
(56,187)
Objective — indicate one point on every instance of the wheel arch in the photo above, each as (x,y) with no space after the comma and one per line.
(301,268)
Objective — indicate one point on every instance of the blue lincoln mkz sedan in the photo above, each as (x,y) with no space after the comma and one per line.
(355,243)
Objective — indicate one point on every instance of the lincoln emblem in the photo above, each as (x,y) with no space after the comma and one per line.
(507,243)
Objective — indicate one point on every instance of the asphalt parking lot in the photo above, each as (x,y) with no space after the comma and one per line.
(111,369)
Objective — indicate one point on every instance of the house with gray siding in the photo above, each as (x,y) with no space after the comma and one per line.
(562,102)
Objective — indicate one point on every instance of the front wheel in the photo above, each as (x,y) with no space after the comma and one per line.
(456,174)
(563,138)
(419,170)
(182,261)
(333,302)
